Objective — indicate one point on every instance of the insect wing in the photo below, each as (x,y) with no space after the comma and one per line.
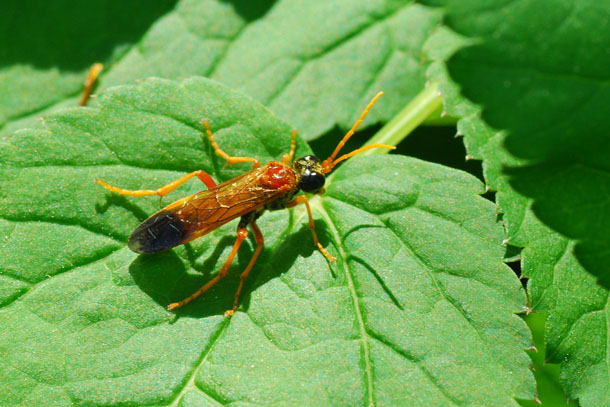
(198,214)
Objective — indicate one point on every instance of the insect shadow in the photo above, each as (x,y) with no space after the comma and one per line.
(122,201)
(164,276)
(272,186)
(274,263)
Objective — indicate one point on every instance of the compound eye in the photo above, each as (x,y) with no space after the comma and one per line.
(312,181)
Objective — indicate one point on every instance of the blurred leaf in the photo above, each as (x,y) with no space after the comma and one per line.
(419,309)
(538,68)
(311,62)
(576,328)
(46,49)
(550,391)
(523,88)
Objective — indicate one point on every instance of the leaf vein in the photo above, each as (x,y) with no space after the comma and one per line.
(190,383)
(357,309)
(419,363)
(65,222)
(335,45)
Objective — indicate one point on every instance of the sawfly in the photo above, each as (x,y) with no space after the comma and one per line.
(272,186)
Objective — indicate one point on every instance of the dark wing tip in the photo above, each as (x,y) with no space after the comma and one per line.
(160,232)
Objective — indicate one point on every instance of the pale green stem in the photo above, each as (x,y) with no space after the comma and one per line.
(440,118)
(424,104)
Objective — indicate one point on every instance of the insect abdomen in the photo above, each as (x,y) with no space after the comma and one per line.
(160,232)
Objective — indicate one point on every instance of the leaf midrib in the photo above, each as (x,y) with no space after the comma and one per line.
(364,336)
(430,272)
(190,384)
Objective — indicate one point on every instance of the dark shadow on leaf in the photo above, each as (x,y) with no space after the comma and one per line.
(380,280)
(272,265)
(72,35)
(438,144)
(556,125)
(574,212)
(164,277)
(122,201)
(157,274)
(211,261)
(252,9)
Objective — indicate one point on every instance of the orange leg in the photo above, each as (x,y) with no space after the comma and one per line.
(259,246)
(242,234)
(161,192)
(287,158)
(303,199)
(230,160)
(89,82)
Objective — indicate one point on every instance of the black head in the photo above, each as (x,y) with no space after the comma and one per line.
(310,173)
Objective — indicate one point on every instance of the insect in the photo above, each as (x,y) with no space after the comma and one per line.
(272,186)
(94,72)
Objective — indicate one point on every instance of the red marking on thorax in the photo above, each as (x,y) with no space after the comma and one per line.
(278,175)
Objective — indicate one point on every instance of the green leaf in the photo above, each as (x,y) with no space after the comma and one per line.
(311,62)
(576,330)
(46,49)
(418,310)
(550,391)
(549,263)
(577,326)
(538,68)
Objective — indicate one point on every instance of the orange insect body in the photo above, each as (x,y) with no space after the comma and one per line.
(199,214)
(270,187)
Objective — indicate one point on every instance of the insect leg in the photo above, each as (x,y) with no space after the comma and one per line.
(230,160)
(259,246)
(89,82)
(287,158)
(202,175)
(303,199)
(242,234)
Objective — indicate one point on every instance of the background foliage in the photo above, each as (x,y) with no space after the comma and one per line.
(419,309)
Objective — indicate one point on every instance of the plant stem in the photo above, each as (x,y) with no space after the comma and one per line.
(424,104)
